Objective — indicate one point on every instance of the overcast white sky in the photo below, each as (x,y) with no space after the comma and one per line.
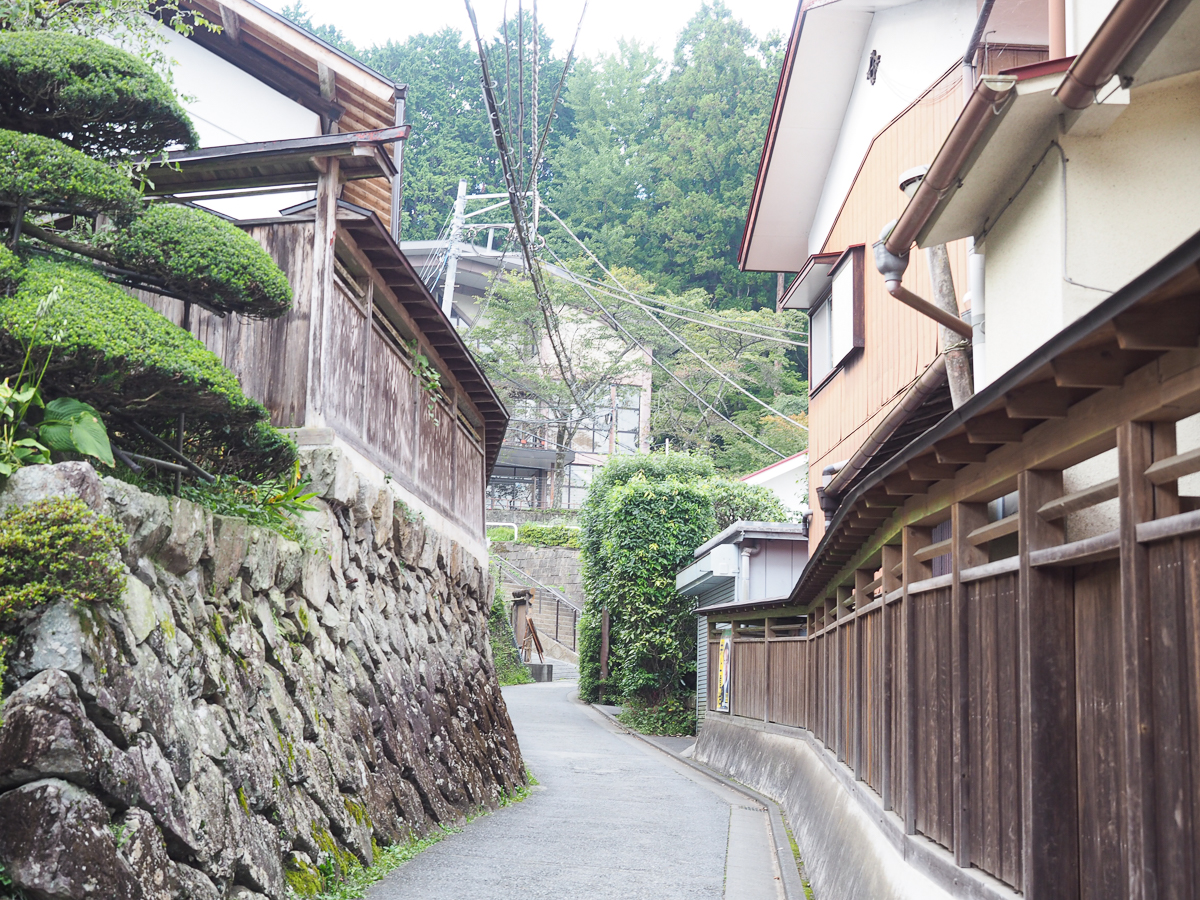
(657,22)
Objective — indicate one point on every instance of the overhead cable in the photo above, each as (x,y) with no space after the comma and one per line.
(676,337)
(659,363)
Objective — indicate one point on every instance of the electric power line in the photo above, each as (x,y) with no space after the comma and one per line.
(676,337)
(659,362)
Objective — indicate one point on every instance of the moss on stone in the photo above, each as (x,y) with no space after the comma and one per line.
(58,547)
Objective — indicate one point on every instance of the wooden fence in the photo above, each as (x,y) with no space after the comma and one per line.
(368,393)
(928,686)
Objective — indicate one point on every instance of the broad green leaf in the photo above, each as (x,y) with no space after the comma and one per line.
(91,439)
(56,436)
(66,409)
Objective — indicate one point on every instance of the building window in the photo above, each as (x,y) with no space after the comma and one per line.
(836,320)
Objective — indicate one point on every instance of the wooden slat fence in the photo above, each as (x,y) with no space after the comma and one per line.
(369,394)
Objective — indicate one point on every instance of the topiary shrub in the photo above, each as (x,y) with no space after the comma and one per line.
(58,547)
(43,174)
(98,99)
(200,255)
(113,351)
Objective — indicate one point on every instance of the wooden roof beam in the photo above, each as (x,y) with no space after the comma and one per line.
(927,468)
(1043,400)
(959,449)
(900,485)
(1162,326)
(1097,367)
(995,428)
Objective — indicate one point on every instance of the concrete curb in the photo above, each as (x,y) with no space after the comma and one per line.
(793,888)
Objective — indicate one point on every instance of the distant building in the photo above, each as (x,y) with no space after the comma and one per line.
(787,480)
(523,477)
(745,566)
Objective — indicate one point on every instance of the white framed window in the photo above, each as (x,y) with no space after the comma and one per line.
(835,322)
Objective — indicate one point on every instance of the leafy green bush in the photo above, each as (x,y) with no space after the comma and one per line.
(88,94)
(636,535)
(643,518)
(200,255)
(274,503)
(501,533)
(113,351)
(671,717)
(509,668)
(57,548)
(548,535)
(735,501)
(43,174)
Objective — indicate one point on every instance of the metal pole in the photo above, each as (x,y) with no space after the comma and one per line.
(533,126)
(398,155)
(456,229)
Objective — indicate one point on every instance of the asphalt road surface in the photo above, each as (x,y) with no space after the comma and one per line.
(611,818)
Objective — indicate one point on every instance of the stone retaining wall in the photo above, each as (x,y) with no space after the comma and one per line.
(251,709)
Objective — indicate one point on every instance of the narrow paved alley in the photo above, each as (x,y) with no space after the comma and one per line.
(611,817)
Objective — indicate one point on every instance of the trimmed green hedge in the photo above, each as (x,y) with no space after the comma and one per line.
(644,516)
(548,535)
(46,174)
(93,96)
(114,351)
(735,501)
(201,255)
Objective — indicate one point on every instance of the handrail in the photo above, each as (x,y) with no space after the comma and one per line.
(526,577)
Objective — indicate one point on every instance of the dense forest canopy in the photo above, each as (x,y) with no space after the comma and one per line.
(651,163)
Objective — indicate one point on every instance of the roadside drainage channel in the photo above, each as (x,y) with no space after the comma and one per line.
(793,887)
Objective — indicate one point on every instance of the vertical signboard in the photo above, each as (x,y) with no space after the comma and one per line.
(723,680)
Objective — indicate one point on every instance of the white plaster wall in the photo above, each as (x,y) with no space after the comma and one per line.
(1083,18)
(228,106)
(1131,199)
(918,42)
(1023,258)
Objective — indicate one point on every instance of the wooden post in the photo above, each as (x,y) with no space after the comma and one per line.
(398,157)
(862,577)
(1138,445)
(368,340)
(766,670)
(964,518)
(914,539)
(1046,642)
(324,239)
(841,685)
(891,558)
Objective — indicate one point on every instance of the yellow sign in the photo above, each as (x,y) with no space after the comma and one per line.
(723,672)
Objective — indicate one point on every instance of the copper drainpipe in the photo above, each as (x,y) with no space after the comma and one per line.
(1058,29)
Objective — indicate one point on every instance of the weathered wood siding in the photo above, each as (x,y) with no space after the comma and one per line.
(370,396)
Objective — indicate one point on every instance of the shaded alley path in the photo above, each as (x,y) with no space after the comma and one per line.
(611,818)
